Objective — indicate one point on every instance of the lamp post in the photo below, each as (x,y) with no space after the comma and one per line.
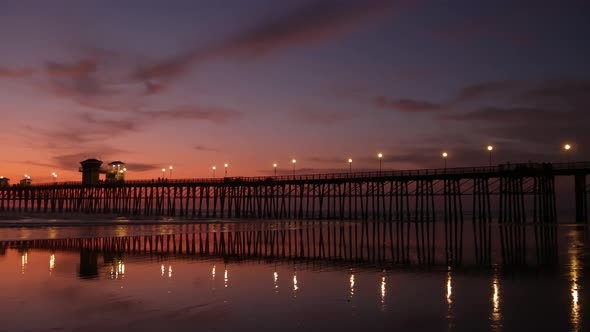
(275,168)
(170,171)
(380,156)
(54,177)
(163,173)
(213,168)
(445,155)
(225,167)
(490,149)
(567,148)
(350,165)
(294,162)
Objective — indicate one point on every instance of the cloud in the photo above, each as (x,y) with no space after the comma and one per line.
(84,129)
(36,163)
(406,105)
(83,67)
(85,82)
(142,167)
(517,95)
(91,129)
(566,95)
(205,148)
(153,88)
(96,78)
(71,161)
(324,117)
(331,160)
(485,90)
(509,115)
(109,125)
(527,119)
(15,73)
(100,80)
(64,137)
(314,23)
(215,115)
(544,112)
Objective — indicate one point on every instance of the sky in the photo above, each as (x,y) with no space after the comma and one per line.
(197,84)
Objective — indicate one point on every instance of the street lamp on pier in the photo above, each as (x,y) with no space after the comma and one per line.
(490,149)
(567,147)
(163,173)
(350,165)
(294,162)
(275,168)
(54,175)
(380,156)
(445,155)
(213,168)
(171,171)
(225,167)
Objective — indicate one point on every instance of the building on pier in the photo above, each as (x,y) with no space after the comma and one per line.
(115,172)
(25,182)
(90,171)
(4,182)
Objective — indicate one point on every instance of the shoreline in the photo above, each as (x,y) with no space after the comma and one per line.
(36,220)
(13,220)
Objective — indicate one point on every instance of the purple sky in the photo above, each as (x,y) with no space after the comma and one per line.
(200,83)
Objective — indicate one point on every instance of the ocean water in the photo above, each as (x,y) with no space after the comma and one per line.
(80,275)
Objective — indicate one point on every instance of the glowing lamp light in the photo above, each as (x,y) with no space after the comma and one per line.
(349,160)
(294,161)
(274,165)
(490,148)
(444,154)
(380,155)
(567,147)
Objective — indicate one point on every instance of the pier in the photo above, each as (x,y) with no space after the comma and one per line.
(517,193)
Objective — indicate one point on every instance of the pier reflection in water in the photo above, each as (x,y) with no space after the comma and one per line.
(324,276)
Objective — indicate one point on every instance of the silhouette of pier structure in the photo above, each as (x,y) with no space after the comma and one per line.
(518,192)
(373,243)
(512,195)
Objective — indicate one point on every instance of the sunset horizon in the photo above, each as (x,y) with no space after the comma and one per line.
(322,82)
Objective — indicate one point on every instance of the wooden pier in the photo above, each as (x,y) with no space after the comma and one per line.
(519,193)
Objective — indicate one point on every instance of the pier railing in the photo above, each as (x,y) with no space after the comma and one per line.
(514,190)
(492,171)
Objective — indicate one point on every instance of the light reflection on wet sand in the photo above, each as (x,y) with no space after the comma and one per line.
(575,274)
(155,290)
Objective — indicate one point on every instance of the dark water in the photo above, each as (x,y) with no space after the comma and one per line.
(290,276)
